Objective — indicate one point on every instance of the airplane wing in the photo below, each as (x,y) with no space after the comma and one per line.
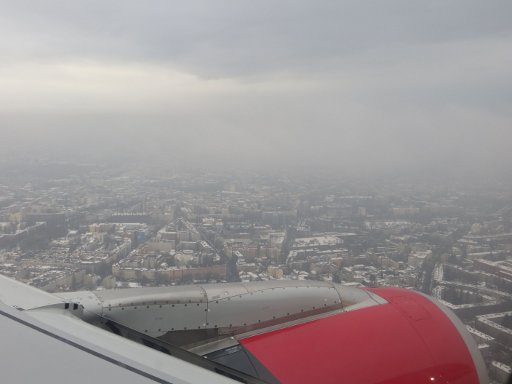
(43,341)
(273,332)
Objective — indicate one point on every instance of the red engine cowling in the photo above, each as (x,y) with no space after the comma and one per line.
(411,339)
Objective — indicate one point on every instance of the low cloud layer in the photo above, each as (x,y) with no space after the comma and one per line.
(375,86)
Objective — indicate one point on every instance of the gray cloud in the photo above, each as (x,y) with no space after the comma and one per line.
(232,37)
(366,85)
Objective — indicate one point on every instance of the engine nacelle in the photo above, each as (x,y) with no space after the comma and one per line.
(300,331)
(411,339)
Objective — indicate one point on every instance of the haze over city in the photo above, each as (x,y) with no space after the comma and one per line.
(355,85)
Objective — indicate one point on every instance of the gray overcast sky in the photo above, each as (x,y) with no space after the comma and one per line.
(370,85)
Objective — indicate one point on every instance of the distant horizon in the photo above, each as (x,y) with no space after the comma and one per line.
(358,87)
(40,169)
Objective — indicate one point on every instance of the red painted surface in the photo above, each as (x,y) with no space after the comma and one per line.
(409,340)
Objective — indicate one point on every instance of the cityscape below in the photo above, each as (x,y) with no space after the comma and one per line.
(75,227)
